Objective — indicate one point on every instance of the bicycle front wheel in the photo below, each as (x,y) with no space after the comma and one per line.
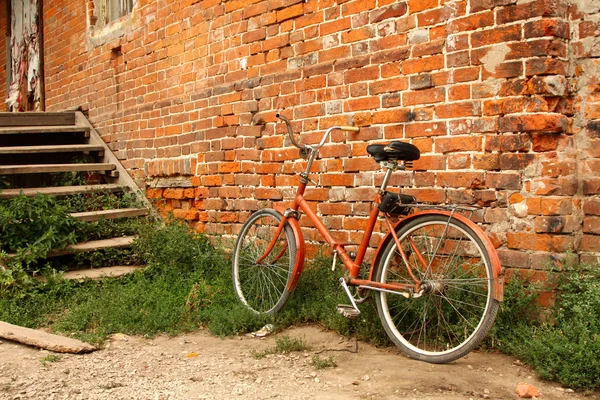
(455,308)
(261,285)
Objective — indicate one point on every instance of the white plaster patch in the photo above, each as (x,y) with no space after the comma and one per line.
(495,57)
(418,36)
(587,6)
(330,41)
(520,209)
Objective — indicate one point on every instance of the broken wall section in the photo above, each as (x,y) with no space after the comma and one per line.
(585,57)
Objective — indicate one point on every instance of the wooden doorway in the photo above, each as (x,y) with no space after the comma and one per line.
(25,56)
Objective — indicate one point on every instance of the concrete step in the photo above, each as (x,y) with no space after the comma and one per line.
(92,245)
(101,273)
(37,118)
(39,168)
(18,130)
(63,148)
(110,214)
(61,190)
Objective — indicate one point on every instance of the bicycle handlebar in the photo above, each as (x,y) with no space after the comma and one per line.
(322,142)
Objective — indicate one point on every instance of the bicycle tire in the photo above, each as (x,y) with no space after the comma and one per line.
(447,322)
(263,288)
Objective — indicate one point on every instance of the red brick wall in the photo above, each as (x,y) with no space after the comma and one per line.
(497,94)
(3,37)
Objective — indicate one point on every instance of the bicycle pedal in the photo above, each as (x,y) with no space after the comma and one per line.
(348,311)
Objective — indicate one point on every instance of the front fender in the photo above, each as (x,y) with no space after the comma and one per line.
(495,261)
(300,250)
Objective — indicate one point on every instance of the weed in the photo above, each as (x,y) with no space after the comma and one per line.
(320,363)
(283,345)
(50,358)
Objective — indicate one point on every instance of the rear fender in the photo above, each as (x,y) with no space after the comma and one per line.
(496,266)
(300,250)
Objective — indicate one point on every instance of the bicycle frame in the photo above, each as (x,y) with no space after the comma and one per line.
(353,267)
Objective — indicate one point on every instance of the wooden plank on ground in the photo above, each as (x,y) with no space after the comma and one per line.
(44,340)
(110,214)
(17,130)
(61,190)
(37,118)
(57,148)
(38,168)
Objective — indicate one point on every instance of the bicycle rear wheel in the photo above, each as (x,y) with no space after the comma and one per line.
(456,308)
(262,286)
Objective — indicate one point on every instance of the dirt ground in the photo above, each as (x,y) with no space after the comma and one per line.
(201,366)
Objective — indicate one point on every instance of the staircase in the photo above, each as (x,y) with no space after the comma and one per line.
(34,146)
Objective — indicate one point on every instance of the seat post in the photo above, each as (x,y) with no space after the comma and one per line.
(390,167)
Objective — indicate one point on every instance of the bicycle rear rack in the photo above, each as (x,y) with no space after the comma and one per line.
(452,208)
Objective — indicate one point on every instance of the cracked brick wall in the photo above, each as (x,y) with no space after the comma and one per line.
(500,96)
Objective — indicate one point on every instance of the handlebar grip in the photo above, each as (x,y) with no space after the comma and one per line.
(350,128)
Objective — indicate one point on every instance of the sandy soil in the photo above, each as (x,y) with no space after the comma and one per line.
(201,366)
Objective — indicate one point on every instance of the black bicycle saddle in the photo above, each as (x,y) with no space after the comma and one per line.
(394,151)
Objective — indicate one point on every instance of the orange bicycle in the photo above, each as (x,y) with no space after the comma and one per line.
(435,275)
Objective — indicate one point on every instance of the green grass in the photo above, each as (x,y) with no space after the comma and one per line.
(187,284)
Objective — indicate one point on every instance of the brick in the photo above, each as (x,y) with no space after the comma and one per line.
(424,64)
(486,161)
(555,85)
(545,8)
(590,243)
(547,27)
(503,180)
(591,225)
(456,110)
(516,161)
(555,224)
(471,22)
(430,163)
(545,66)
(533,123)
(336,180)
(539,242)
(367,103)
(496,35)
(425,129)
(513,258)
(416,6)
(393,116)
(335,208)
(471,180)
(426,96)
(393,11)
(290,12)
(591,206)
(456,144)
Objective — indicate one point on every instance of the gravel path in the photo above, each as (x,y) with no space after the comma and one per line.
(201,366)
